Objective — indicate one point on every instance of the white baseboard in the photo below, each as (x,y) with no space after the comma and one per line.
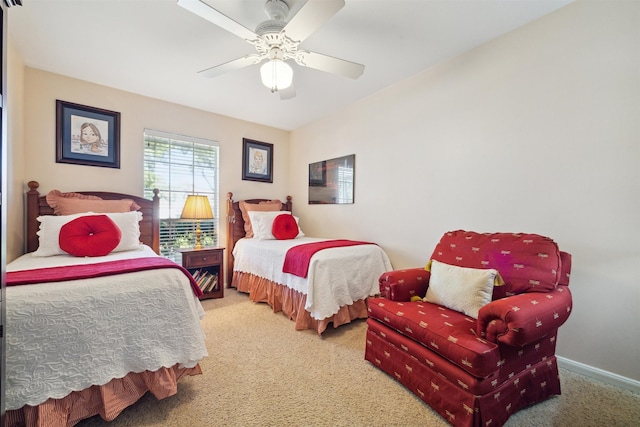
(600,374)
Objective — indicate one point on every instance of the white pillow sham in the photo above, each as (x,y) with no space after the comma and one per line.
(50,226)
(460,288)
(262,223)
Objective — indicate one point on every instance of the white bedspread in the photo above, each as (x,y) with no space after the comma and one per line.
(67,336)
(337,276)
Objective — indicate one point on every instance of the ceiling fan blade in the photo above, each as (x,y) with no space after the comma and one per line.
(329,64)
(236,64)
(287,93)
(205,11)
(311,17)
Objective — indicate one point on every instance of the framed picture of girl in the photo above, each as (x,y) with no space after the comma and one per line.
(257,161)
(87,136)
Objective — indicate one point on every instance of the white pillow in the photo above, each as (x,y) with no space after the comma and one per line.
(50,226)
(460,288)
(262,223)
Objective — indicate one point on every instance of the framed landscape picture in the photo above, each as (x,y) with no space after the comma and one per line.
(87,135)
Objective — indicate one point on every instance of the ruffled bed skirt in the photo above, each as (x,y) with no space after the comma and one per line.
(108,400)
(291,303)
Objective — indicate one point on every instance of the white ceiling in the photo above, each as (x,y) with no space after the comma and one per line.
(155,48)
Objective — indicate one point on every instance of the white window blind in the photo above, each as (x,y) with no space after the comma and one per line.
(180,165)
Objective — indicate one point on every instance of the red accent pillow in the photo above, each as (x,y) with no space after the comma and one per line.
(91,235)
(284,227)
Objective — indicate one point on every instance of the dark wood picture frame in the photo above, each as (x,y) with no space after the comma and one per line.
(257,161)
(87,136)
(318,174)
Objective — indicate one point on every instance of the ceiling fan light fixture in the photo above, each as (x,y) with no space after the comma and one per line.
(276,40)
(276,74)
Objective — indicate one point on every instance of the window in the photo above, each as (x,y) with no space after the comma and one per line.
(180,165)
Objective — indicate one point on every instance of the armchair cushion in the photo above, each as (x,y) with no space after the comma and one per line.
(444,331)
(526,262)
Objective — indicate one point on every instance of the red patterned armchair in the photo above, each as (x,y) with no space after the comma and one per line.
(483,346)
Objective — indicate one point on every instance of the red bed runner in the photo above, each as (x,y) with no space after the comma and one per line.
(298,258)
(86,271)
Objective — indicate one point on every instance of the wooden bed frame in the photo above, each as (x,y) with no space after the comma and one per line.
(149,225)
(124,391)
(235,228)
(281,298)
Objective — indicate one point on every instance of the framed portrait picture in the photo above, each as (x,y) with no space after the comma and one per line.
(257,161)
(87,135)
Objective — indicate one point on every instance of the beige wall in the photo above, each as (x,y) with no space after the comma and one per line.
(537,131)
(41,89)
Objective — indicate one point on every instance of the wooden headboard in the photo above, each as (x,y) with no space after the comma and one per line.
(235,227)
(149,226)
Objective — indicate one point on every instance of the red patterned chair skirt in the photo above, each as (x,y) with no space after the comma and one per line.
(451,391)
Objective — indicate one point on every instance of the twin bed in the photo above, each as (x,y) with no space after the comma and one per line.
(83,347)
(338,281)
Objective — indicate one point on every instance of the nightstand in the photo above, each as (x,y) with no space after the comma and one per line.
(207,268)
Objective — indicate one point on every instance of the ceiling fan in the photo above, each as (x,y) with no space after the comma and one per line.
(277,40)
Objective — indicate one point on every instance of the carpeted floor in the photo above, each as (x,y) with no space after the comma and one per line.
(262,372)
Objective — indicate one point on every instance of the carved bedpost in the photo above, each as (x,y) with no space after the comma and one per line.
(287,205)
(33,201)
(231,219)
(156,221)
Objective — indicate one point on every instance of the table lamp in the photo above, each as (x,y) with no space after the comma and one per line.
(197,207)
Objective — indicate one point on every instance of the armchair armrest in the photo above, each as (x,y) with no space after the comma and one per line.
(401,285)
(521,319)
